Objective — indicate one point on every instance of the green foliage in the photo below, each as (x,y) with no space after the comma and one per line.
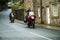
(17,6)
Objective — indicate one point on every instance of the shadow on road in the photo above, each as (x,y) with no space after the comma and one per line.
(0,38)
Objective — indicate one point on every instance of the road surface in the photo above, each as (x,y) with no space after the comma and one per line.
(18,31)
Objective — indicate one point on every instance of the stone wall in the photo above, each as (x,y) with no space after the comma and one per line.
(28,4)
(19,14)
(45,3)
(54,20)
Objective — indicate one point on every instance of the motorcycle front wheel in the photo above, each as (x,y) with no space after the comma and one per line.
(28,25)
(33,24)
(12,20)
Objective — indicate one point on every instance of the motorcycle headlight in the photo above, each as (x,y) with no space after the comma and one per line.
(32,17)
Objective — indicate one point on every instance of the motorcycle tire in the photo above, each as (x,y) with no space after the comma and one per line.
(28,25)
(33,24)
(12,20)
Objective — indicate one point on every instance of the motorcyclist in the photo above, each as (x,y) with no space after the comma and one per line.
(11,16)
(31,19)
(31,13)
(26,17)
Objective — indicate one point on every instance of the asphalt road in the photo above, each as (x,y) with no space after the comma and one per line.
(18,31)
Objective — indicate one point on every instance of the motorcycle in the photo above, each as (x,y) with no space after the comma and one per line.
(31,21)
(11,17)
(12,20)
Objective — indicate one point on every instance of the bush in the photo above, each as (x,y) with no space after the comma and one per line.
(17,5)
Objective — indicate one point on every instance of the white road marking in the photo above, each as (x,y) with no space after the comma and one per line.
(18,29)
(40,36)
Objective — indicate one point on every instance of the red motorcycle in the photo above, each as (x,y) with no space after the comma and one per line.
(31,21)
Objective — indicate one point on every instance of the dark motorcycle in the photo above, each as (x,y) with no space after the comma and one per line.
(11,17)
(31,21)
(12,20)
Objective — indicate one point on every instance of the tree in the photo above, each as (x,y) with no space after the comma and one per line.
(17,6)
(3,2)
